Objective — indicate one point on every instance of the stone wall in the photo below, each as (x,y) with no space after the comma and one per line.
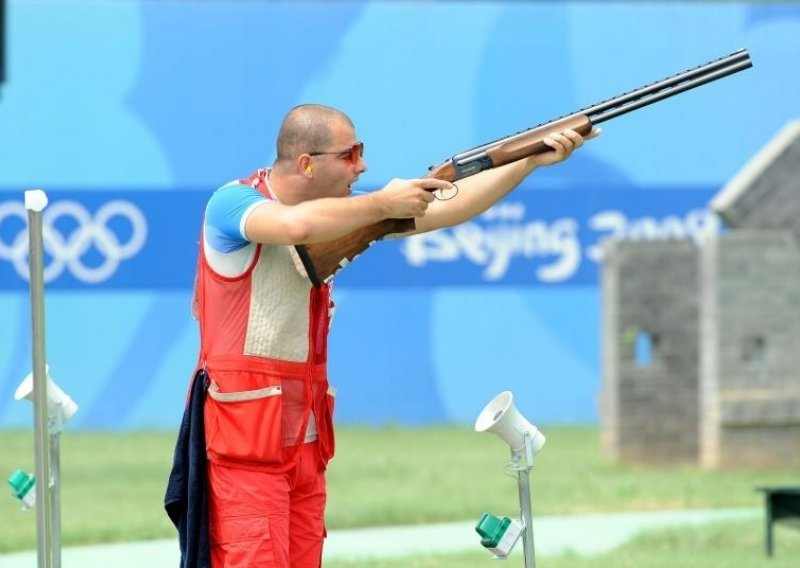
(750,354)
(650,362)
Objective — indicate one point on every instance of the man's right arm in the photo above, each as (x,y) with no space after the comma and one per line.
(325,219)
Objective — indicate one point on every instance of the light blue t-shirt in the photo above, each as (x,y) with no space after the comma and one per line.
(226,247)
(226,213)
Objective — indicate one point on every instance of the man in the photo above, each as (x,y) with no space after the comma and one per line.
(268,410)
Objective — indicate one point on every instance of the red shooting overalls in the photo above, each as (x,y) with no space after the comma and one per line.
(264,345)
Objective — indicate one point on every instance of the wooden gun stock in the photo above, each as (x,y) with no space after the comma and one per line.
(322,260)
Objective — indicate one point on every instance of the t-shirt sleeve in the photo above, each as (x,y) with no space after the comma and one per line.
(226,213)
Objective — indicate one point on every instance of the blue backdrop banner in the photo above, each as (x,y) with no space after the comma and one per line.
(148,239)
(129,114)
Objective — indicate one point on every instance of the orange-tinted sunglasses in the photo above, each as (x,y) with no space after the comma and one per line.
(352,154)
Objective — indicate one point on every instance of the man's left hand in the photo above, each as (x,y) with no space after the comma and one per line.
(563,145)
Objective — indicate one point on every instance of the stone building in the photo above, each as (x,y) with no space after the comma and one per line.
(719,324)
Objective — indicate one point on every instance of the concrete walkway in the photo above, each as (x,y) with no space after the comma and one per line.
(581,534)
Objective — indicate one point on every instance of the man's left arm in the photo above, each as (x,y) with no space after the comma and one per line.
(479,192)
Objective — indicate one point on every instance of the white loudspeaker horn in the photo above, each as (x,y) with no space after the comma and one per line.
(54,396)
(502,418)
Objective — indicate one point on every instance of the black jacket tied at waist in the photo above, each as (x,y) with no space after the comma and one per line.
(186,499)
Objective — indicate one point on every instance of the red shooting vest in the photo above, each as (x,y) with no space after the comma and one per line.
(263,342)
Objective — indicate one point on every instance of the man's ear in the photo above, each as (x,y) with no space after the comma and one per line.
(304,161)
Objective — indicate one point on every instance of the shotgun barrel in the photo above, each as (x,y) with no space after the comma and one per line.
(660,90)
(611,108)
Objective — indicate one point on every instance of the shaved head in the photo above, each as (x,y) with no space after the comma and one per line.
(307,128)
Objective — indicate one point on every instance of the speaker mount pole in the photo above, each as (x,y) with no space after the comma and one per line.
(526,512)
(56,425)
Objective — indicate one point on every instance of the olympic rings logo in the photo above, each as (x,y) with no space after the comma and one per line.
(67,251)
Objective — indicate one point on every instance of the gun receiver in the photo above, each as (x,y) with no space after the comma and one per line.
(322,260)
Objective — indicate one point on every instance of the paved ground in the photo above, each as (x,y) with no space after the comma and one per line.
(582,534)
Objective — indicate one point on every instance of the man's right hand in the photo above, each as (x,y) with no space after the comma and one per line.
(404,198)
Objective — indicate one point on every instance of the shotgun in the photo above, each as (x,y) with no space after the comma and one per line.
(320,261)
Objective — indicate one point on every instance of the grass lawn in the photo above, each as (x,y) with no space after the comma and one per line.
(112,485)
(723,545)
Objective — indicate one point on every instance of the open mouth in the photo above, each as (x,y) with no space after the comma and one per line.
(350,186)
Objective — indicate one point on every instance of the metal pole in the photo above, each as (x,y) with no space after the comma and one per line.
(55,493)
(35,202)
(527,516)
(525,510)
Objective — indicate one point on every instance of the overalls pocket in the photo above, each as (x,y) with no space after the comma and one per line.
(243,416)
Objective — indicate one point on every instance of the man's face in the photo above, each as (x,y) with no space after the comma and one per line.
(341,165)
